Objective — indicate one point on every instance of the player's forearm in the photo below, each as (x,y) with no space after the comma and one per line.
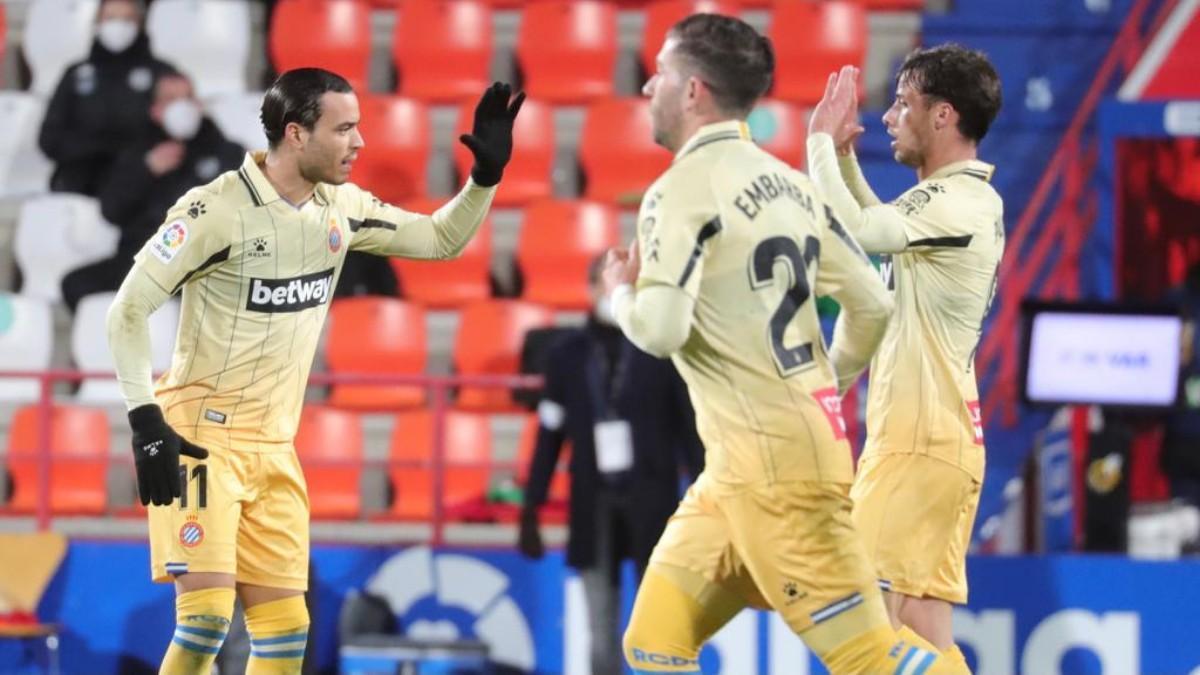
(446,232)
(129,336)
(856,336)
(657,318)
(874,227)
(856,181)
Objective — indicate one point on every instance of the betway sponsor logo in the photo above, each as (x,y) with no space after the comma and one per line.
(290,295)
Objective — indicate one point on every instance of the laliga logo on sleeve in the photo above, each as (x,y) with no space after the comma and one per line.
(166,245)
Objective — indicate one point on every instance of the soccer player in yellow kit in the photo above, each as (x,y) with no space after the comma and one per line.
(256,254)
(732,247)
(919,476)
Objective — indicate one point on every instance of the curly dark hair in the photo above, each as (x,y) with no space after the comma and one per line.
(295,96)
(734,61)
(962,77)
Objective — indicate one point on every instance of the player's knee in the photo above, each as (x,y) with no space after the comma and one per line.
(202,619)
(279,628)
(647,652)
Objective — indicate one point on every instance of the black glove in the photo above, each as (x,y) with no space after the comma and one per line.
(529,538)
(490,139)
(156,451)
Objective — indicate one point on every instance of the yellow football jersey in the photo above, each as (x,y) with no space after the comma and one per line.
(257,275)
(750,240)
(923,396)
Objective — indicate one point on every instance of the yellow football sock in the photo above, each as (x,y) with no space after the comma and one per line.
(201,623)
(278,633)
(888,652)
(669,624)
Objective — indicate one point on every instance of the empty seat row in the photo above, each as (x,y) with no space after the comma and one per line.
(329,443)
(566,49)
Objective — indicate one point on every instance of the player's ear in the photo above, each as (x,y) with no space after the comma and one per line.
(295,135)
(944,115)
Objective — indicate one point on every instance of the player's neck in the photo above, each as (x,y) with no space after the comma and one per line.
(945,155)
(285,177)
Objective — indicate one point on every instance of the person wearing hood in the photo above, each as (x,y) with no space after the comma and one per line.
(633,435)
(101,103)
(178,149)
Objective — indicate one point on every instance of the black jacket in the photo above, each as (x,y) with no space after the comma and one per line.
(101,104)
(136,201)
(649,394)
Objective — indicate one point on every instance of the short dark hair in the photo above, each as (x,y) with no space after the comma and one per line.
(295,96)
(962,77)
(734,60)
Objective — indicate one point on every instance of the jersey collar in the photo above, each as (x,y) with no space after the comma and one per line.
(260,189)
(971,167)
(728,130)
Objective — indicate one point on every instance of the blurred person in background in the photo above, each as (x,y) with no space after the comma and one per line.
(1180,458)
(102,103)
(632,430)
(178,149)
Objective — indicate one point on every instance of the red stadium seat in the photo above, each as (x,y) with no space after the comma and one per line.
(490,336)
(619,172)
(812,40)
(780,128)
(567,49)
(376,335)
(662,14)
(448,283)
(394,163)
(331,435)
(3,37)
(559,239)
(442,48)
(468,440)
(527,176)
(331,34)
(79,449)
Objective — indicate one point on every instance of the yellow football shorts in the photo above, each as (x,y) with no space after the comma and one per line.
(790,547)
(915,515)
(241,513)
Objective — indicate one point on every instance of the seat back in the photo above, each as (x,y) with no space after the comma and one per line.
(567,49)
(237,115)
(442,49)
(394,163)
(24,170)
(619,173)
(448,283)
(57,233)
(57,33)
(330,435)
(208,40)
(835,35)
(376,335)
(26,343)
(330,34)
(490,336)
(468,440)
(527,177)
(79,449)
(780,128)
(559,240)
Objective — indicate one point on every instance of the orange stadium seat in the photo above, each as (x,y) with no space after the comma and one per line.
(812,40)
(79,449)
(331,34)
(662,14)
(527,176)
(559,239)
(468,439)
(3,37)
(780,128)
(331,435)
(560,484)
(394,163)
(490,336)
(376,335)
(567,49)
(619,172)
(448,283)
(442,48)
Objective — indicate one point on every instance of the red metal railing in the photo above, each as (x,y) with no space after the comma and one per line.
(439,388)
(1054,236)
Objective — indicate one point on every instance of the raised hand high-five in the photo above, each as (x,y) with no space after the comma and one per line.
(490,139)
(837,112)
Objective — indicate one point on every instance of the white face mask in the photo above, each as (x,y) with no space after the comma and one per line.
(116,34)
(181,119)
